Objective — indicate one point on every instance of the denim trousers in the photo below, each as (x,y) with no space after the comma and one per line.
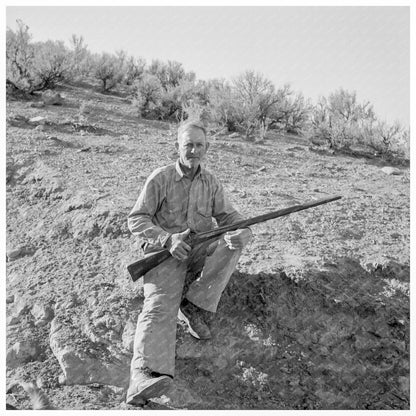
(211,266)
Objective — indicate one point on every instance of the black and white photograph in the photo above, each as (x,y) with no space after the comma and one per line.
(207,207)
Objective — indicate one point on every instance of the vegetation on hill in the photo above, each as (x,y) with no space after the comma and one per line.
(250,103)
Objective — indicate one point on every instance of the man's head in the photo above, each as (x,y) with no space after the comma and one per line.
(192,144)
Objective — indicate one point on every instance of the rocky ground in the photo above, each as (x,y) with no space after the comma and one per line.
(315,317)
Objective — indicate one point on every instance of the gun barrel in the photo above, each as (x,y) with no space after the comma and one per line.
(141,267)
(207,235)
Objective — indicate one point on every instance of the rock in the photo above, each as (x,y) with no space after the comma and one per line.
(128,335)
(103,329)
(42,312)
(15,253)
(38,120)
(10,299)
(17,120)
(13,320)
(388,170)
(88,362)
(93,301)
(40,104)
(40,127)
(52,98)
(21,353)
(233,135)
(22,307)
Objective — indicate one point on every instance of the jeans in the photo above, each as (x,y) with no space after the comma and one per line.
(154,343)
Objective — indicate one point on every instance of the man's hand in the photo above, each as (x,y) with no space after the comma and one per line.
(177,246)
(238,239)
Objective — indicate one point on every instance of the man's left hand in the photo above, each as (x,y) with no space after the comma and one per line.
(238,239)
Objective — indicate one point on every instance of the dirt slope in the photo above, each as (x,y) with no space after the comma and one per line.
(315,317)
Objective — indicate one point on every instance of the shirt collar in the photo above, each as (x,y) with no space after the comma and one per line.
(179,174)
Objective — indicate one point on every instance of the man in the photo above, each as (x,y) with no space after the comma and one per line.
(176,200)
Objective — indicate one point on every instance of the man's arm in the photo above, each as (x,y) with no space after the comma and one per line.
(140,219)
(226,214)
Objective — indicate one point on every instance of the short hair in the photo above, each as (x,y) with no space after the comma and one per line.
(189,125)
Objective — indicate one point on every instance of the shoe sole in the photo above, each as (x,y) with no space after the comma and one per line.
(183,317)
(156,389)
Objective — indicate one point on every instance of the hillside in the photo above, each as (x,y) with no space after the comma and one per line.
(315,317)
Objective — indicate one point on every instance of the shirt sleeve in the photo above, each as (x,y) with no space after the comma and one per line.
(223,211)
(140,219)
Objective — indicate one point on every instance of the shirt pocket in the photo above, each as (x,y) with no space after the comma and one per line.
(204,218)
(173,215)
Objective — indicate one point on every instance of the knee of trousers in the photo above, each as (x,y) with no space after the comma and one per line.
(160,307)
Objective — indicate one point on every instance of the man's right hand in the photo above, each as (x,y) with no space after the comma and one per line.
(177,246)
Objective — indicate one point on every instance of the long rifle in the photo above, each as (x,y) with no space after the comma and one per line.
(141,267)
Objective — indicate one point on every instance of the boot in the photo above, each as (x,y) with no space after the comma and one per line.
(193,317)
(145,385)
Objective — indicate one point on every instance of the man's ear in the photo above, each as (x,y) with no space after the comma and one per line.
(206,146)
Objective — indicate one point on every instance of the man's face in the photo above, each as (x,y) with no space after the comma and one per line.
(192,146)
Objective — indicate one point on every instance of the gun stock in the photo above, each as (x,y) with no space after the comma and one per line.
(141,267)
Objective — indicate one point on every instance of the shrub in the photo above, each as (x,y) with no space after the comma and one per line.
(80,57)
(153,101)
(194,110)
(34,66)
(391,140)
(134,69)
(170,74)
(223,105)
(341,120)
(19,57)
(108,69)
(259,103)
(175,99)
(51,64)
(292,113)
(147,95)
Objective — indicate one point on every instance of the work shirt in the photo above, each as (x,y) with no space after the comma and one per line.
(170,203)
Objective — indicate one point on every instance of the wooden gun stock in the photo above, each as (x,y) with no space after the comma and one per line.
(141,267)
